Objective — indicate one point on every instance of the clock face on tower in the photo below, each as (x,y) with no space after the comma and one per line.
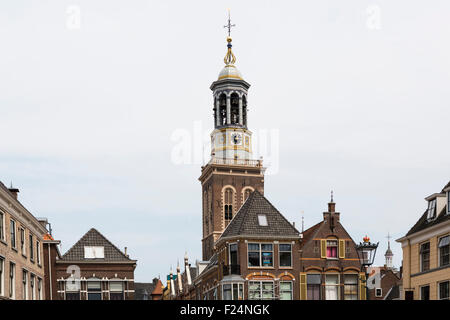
(236,138)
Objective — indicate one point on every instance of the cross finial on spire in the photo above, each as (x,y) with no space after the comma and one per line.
(229,25)
(331,195)
(389,240)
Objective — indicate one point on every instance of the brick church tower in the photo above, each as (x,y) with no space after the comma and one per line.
(231,174)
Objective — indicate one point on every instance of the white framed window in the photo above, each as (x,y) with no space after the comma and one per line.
(12,227)
(332,286)
(2,226)
(260,290)
(444,251)
(285,253)
(313,286)
(286,290)
(12,280)
(32,286)
(2,276)
(38,252)
(39,289)
(431,212)
(233,291)
(116,290)
(378,292)
(92,252)
(332,249)
(31,247)
(350,287)
(94,288)
(424,256)
(425,292)
(444,290)
(25,284)
(260,254)
(262,220)
(228,196)
(22,242)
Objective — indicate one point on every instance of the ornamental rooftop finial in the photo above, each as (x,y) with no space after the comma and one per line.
(229,59)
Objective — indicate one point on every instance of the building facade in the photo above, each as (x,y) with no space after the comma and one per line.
(21,252)
(93,269)
(426,251)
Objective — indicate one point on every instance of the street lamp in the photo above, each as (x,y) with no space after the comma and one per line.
(366,253)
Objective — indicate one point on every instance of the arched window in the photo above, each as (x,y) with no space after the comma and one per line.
(246,193)
(223,109)
(234,108)
(244,110)
(205,211)
(228,205)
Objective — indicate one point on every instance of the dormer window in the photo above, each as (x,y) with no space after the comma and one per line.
(94,252)
(431,212)
(262,220)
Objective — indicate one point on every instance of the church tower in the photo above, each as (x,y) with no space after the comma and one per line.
(389,255)
(231,174)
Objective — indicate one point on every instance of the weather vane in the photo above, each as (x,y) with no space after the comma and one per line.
(229,25)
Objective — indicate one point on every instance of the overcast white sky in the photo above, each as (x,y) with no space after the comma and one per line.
(358,91)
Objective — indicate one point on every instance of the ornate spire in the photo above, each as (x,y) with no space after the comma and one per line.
(229,59)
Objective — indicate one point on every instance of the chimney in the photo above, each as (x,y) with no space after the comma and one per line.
(14,192)
(126,252)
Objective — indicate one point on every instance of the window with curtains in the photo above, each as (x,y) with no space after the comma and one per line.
(260,255)
(116,291)
(260,290)
(12,227)
(425,256)
(332,249)
(444,251)
(313,286)
(12,280)
(2,279)
(228,205)
(350,287)
(331,287)
(285,251)
(286,290)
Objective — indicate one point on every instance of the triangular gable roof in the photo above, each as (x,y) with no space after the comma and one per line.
(94,238)
(158,290)
(245,222)
(309,233)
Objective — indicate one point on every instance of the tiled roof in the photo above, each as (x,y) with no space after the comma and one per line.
(143,290)
(48,237)
(447,186)
(158,288)
(245,222)
(94,238)
(310,232)
(423,223)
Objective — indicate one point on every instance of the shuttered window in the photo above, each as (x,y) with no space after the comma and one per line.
(302,286)
(341,249)
(323,249)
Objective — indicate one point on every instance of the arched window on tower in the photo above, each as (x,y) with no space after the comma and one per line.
(223,109)
(234,108)
(244,110)
(246,193)
(205,211)
(228,205)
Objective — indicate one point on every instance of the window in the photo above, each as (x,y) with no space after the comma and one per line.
(38,252)
(262,220)
(448,202)
(431,212)
(247,193)
(94,289)
(444,293)
(331,287)
(444,251)
(94,252)
(425,293)
(332,248)
(378,292)
(260,255)
(228,205)
(425,256)
(22,241)
(2,281)
(32,280)
(13,233)
(31,248)
(313,286)
(233,291)
(72,288)
(350,287)
(285,255)
(12,280)
(39,289)
(25,285)
(233,254)
(2,226)
(260,290)
(286,290)
(116,290)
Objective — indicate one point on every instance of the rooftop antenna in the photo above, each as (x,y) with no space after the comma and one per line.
(229,25)
(303,221)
